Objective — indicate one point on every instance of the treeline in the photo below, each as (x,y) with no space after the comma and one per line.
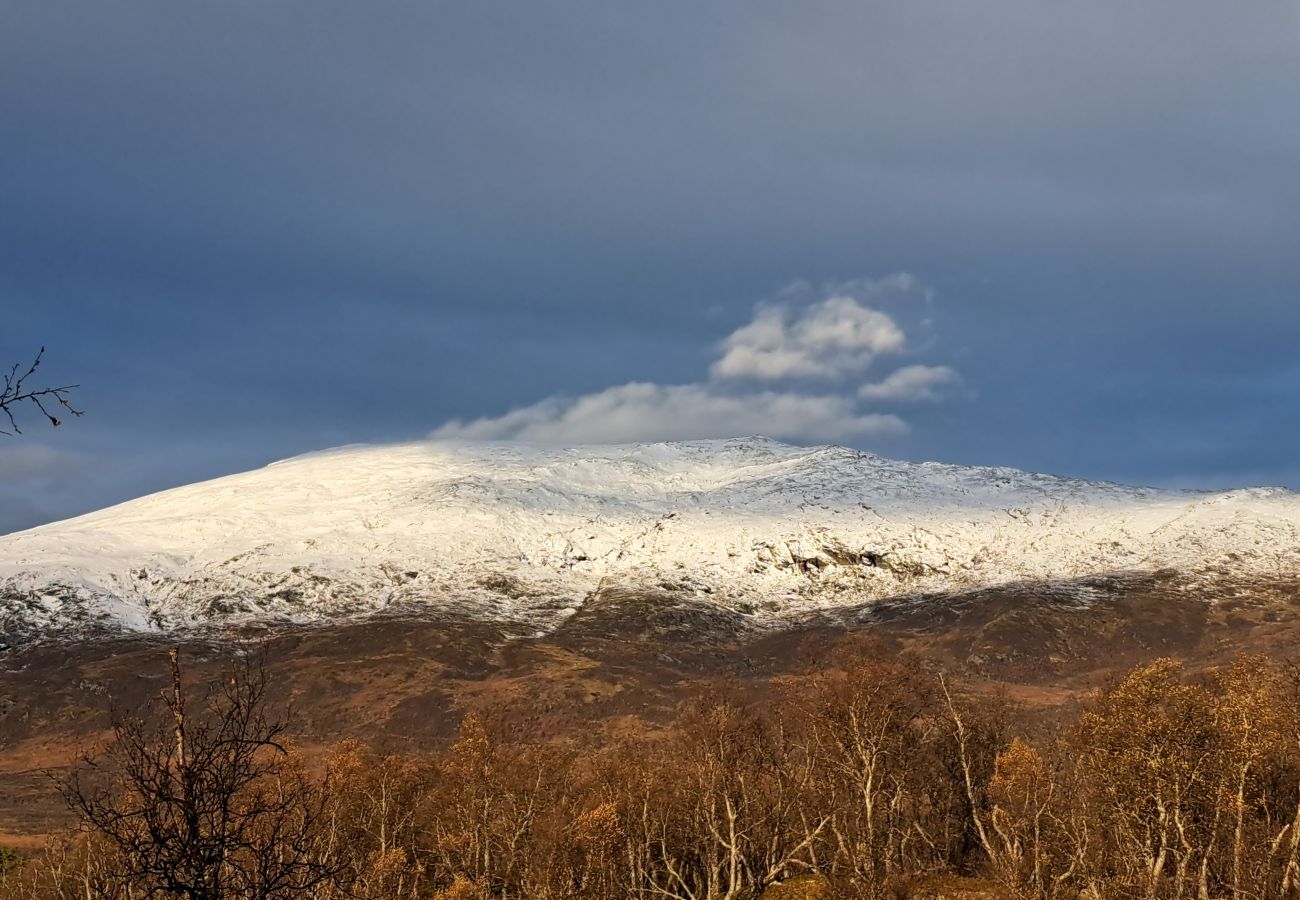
(870,779)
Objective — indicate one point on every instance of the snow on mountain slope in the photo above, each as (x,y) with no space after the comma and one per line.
(522,533)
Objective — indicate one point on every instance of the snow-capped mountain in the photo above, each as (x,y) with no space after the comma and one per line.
(522,533)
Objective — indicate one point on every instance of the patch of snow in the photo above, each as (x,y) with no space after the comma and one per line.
(523,533)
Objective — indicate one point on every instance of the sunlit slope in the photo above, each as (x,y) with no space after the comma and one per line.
(524,533)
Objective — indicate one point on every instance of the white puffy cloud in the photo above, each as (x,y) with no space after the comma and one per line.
(836,337)
(641,411)
(911,384)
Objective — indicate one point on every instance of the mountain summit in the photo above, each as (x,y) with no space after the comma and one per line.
(526,534)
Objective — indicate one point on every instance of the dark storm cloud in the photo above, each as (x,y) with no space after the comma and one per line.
(257,228)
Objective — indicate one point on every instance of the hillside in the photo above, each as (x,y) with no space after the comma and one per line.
(523,536)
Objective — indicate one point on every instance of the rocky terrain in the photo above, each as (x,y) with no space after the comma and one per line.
(748,531)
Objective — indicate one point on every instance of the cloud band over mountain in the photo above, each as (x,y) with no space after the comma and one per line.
(794,372)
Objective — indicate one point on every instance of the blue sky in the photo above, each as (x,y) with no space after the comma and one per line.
(253,229)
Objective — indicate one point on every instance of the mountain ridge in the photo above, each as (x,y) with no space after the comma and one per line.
(525,534)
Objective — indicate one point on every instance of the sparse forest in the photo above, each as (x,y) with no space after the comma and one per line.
(877,779)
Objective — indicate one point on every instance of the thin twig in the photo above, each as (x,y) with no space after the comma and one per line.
(16,391)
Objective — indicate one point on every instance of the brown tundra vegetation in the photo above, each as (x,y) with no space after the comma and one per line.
(878,778)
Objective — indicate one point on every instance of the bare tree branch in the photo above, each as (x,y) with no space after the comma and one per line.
(17,391)
(206,804)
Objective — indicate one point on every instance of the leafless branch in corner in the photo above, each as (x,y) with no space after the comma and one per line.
(18,390)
